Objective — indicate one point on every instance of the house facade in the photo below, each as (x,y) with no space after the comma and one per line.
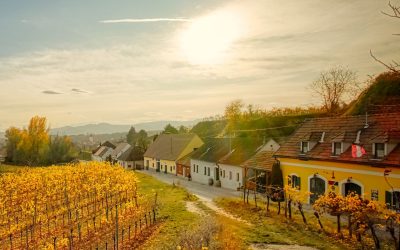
(163,154)
(102,153)
(204,161)
(183,166)
(131,159)
(119,150)
(242,149)
(345,154)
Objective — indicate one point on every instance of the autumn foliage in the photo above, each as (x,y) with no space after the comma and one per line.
(76,206)
(34,146)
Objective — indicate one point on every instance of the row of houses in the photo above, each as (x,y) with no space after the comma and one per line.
(335,154)
(123,153)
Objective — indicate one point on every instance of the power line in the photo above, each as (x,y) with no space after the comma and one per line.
(262,129)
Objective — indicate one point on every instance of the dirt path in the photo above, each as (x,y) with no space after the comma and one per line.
(211,205)
(279,247)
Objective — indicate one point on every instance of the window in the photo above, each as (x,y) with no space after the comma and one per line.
(304,147)
(153,164)
(294,181)
(379,150)
(147,163)
(237,176)
(205,171)
(174,167)
(337,148)
(208,173)
(230,175)
(170,168)
(223,173)
(197,168)
(392,199)
(194,168)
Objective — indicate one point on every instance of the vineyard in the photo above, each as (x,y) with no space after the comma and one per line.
(83,206)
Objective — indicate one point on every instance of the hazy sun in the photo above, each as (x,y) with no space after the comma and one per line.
(208,39)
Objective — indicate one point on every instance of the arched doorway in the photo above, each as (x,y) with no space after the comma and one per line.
(317,187)
(351,187)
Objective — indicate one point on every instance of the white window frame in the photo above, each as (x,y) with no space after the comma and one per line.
(301,147)
(334,153)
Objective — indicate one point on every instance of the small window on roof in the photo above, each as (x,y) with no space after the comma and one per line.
(379,151)
(304,147)
(337,148)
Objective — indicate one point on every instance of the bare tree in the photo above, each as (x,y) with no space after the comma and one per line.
(393,66)
(334,86)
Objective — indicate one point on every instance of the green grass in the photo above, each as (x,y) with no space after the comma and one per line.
(172,212)
(10,168)
(276,229)
(85,155)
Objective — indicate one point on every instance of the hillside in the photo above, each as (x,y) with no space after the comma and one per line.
(383,95)
(268,124)
(106,128)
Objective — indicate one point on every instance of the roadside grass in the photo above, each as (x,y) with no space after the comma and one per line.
(4,168)
(270,228)
(172,214)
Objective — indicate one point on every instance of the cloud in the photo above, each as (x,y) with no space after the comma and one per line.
(79,91)
(51,92)
(146,20)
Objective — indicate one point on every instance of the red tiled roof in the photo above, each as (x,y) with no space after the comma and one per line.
(381,128)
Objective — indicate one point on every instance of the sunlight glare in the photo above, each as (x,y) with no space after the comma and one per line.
(208,39)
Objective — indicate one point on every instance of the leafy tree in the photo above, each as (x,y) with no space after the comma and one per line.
(37,140)
(169,129)
(143,140)
(183,130)
(334,87)
(13,136)
(233,112)
(132,136)
(275,190)
(33,146)
(61,149)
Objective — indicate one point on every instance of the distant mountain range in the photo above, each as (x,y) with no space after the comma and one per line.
(106,128)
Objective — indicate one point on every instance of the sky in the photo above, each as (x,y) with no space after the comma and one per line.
(130,61)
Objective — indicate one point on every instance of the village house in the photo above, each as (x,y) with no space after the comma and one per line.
(103,151)
(204,161)
(183,165)
(257,170)
(131,159)
(345,154)
(119,150)
(163,154)
(230,168)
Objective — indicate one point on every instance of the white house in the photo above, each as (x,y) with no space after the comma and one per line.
(119,150)
(204,161)
(230,168)
(102,153)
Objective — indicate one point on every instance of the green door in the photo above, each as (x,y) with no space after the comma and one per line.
(317,188)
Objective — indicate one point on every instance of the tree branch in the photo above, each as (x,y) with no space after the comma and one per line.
(392,67)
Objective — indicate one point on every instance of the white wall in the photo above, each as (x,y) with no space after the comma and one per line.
(200,177)
(226,181)
(107,154)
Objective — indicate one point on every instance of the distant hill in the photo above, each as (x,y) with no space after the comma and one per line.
(106,128)
(382,96)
